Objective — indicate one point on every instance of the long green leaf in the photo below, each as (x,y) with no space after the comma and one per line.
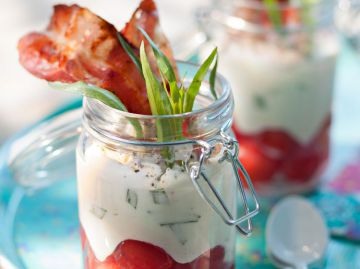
(165,86)
(175,97)
(306,12)
(167,127)
(157,95)
(163,62)
(194,87)
(129,51)
(274,12)
(102,95)
(212,79)
(182,98)
(308,19)
(158,98)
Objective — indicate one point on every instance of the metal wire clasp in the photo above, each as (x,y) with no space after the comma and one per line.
(230,154)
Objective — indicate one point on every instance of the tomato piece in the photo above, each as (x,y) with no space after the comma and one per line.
(217,253)
(217,256)
(256,153)
(261,168)
(185,128)
(191,265)
(109,263)
(303,166)
(278,141)
(239,136)
(212,259)
(92,263)
(322,140)
(82,238)
(275,143)
(132,254)
(290,16)
(305,163)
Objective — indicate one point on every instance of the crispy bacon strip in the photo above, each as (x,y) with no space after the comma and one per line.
(146,16)
(80,46)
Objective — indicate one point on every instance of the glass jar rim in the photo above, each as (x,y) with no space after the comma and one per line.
(212,117)
(260,6)
(222,15)
(220,79)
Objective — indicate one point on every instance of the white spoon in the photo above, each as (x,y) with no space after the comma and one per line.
(296,233)
(279,264)
(5,263)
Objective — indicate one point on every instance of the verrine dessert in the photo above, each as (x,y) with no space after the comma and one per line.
(280,57)
(136,210)
(157,168)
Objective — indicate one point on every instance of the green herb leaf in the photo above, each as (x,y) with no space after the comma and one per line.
(175,97)
(98,211)
(179,232)
(190,219)
(132,198)
(260,102)
(159,197)
(182,98)
(306,15)
(308,19)
(158,98)
(157,95)
(194,87)
(212,79)
(128,49)
(274,13)
(102,95)
(163,62)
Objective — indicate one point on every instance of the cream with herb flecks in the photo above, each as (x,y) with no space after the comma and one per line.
(134,196)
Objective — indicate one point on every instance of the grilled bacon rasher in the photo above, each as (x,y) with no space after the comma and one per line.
(80,46)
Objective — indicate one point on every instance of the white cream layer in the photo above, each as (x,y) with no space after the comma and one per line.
(104,178)
(280,89)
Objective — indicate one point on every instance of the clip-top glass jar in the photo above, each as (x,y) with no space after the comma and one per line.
(280,58)
(151,196)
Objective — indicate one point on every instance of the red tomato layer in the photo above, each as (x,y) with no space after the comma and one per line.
(132,254)
(274,154)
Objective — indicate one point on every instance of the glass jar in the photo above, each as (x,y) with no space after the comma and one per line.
(347,22)
(280,60)
(151,197)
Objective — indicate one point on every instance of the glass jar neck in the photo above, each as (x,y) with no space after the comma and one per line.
(256,17)
(206,121)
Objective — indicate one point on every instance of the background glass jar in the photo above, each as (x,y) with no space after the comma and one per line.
(347,21)
(280,60)
(137,202)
